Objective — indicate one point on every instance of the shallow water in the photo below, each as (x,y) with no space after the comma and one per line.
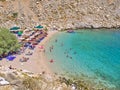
(94,54)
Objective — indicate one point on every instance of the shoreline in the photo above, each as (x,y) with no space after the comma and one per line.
(110,29)
(42,54)
(38,62)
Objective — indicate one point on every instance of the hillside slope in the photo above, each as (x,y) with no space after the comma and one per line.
(60,14)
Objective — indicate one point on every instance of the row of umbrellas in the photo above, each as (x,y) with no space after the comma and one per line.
(16,28)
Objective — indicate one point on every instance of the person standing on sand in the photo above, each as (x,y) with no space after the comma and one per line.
(52,47)
(44,50)
(10,67)
(39,50)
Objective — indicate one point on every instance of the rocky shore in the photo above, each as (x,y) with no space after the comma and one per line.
(23,80)
(60,14)
(15,79)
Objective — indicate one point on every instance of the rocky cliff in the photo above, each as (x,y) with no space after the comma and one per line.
(60,14)
(15,79)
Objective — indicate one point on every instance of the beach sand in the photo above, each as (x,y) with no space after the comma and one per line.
(36,63)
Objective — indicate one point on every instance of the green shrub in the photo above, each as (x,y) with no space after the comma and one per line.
(2,0)
(15,15)
(8,42)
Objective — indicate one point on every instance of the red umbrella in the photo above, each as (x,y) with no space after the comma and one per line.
(35,43)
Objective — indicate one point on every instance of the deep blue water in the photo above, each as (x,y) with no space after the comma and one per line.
(94,54)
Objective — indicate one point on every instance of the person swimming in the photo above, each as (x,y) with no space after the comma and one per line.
(75,52)
(70,57)
(67,56)
(70,48)
(64,52)
(62,44)
(55,40)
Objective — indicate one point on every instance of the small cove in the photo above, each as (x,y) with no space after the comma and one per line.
(89,54)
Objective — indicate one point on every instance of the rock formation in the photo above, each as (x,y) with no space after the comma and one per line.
(15,79)
(60,14)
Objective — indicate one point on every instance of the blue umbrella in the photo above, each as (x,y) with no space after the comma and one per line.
(0,58)
(26,44)
(10,58)
(42,38)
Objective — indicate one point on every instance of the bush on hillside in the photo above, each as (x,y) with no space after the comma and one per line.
(8,42)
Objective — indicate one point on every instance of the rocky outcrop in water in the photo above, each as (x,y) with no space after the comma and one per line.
(60,14)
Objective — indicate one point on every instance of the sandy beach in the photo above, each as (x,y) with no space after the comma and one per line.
(36,62)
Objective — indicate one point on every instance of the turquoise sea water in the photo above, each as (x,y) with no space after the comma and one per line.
(93,54)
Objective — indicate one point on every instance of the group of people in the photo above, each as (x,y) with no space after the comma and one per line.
(29,45)
(51,48)
(66,51)
(24,59)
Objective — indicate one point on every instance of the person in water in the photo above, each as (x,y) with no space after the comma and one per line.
(66,55)
(70,48)
(70,57)
(55,40)
(52,47)
(64,52)
(75,52)
(61,44)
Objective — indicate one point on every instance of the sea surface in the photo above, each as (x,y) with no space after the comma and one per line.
(92,55)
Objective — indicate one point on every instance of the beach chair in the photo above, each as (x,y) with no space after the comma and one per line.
(29,53)
(24,60)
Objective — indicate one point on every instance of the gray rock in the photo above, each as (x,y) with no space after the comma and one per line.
(10,77)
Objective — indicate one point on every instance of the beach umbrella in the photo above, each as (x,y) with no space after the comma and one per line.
(41,47)
(20,33)
(14,28)
(39,27)
(10,58)
(0,58)
(42,38)
(26,44)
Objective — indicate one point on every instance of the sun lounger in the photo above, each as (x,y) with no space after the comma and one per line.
(29,53)
(24,60)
